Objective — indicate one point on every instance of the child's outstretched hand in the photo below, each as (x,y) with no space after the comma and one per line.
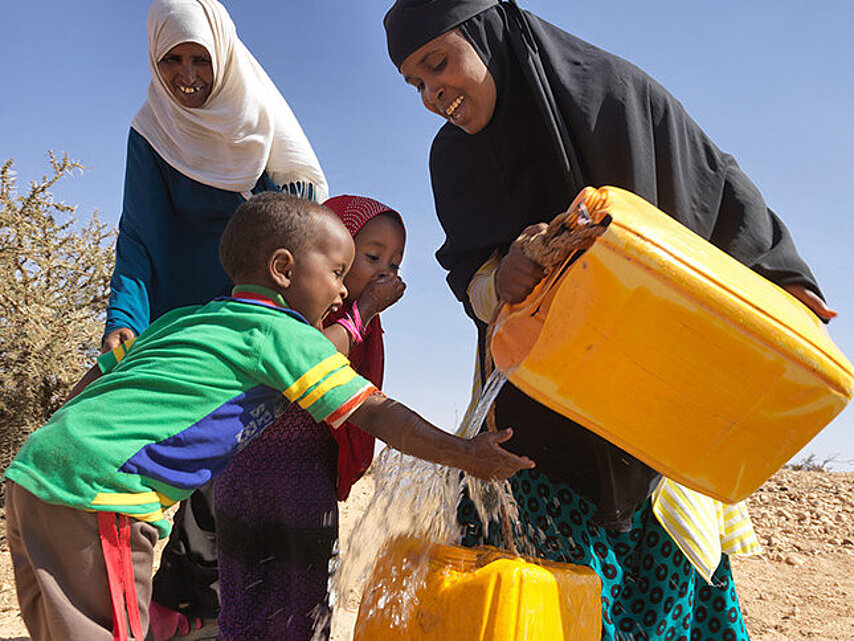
(404,430)
(380,294)
(488,460)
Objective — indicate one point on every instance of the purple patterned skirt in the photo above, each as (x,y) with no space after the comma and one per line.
(277,522)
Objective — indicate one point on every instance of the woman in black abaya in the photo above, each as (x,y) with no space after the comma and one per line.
(534,115)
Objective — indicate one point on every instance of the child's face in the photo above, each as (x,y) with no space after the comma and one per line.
(316,282)
(187,70)
(379,252)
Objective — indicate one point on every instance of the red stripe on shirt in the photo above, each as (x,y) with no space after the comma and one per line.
(340,415)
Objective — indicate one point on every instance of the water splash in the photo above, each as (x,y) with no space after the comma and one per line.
(418,499)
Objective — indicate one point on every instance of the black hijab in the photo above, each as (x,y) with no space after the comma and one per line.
(620,128)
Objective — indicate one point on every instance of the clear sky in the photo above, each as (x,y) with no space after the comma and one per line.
(770,81)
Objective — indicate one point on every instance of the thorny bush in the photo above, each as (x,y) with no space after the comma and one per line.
(54,284)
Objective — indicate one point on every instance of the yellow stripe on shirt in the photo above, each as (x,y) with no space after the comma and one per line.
(126,498)
(341,377)
(120,350)
(702,527)
(132,498)
(315,375)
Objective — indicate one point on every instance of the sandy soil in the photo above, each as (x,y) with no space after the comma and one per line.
(802,586)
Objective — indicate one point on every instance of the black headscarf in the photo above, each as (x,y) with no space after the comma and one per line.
(625,130)
(412,24)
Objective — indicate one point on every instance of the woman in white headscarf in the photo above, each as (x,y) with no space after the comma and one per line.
(213,130)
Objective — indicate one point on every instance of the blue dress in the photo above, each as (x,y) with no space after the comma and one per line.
(167,253)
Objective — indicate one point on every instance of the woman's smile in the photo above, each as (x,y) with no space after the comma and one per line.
(187,70)
(451,109)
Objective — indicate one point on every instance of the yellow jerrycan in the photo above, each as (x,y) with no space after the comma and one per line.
(476,594)
(669,348)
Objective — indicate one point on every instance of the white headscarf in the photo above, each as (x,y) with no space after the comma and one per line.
(244,128)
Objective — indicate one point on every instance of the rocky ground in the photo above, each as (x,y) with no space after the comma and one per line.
(802,586)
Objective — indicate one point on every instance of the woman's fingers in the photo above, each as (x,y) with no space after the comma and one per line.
(811,300)
(116,338)
(517,275)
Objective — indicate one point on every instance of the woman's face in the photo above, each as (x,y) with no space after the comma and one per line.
(379,252)
(187,71)
(452,81)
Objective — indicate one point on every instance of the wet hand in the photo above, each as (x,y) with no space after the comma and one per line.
(380,294)
(517,275)
(489,461)
(811,300)
(115,338)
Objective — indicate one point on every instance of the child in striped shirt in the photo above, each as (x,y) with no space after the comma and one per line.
(160,416)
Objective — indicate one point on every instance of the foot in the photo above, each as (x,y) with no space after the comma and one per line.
(169,625)
(195,629)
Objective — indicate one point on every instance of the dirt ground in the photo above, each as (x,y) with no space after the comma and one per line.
(801,587)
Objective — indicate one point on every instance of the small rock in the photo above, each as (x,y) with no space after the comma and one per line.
(795,560)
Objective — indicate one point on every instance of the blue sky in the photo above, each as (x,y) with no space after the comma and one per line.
(769,80)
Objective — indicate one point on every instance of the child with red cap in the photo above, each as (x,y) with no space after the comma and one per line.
(276,503)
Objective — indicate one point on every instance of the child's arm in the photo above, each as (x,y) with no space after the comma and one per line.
(406,431)
(379,295)
(339,337)
(93,374)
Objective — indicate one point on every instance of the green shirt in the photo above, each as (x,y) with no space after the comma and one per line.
(174,405)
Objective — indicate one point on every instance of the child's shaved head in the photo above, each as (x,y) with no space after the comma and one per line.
(264,223)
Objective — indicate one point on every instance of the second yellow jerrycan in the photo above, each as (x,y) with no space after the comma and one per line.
(674,351)
(476,594)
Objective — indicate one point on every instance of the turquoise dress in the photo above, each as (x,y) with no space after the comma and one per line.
(650,591)
(167,252)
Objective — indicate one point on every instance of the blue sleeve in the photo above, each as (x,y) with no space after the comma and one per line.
(145,208)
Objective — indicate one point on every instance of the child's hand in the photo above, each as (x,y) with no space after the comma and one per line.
(379,295)
(517,275)
(404,430)
(490,461)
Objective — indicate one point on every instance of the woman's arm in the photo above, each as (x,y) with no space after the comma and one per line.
(146,204)
(812,301)
(482,292)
